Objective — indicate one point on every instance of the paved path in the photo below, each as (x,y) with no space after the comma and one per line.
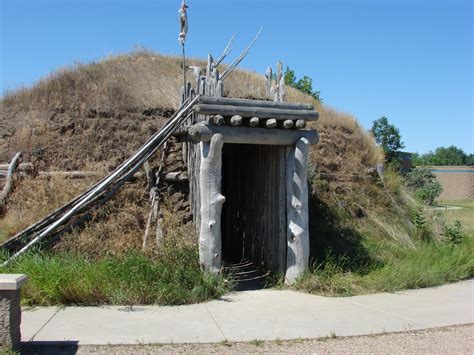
(250,315)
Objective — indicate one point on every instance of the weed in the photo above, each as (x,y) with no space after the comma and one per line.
(226,343)
(257,342)
(421,226)
(278,341)
(453,234)
(7,350)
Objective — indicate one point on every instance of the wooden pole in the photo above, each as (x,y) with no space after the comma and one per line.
(9,183)
(210,239)
(297,209)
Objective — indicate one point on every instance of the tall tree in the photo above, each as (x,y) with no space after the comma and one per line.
(388,137)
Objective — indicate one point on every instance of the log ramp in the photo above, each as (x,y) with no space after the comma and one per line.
(246,168)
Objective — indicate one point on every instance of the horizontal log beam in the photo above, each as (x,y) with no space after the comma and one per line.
(261,112)
(246,135)
(176,176)
(254,103)
(21,167)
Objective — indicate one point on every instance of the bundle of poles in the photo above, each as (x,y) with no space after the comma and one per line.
(49,228)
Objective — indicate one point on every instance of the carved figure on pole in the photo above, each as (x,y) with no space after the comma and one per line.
(183,24)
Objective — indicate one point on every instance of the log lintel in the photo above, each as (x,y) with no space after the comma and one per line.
(203,132)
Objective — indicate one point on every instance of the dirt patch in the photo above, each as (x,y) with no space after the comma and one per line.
(455,339)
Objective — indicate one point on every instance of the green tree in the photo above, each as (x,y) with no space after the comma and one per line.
(305,84)
(470,159)
(444,156)
(449,156)
(422,182)
(388,137)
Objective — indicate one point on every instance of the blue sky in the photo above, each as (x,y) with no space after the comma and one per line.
(408,60)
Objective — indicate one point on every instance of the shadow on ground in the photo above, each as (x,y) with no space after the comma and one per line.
(49,347)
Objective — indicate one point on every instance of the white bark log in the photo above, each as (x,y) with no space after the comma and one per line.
(27,167)
(210,241)
(298,225)
(300,124)
(288,124)
(271,123)
(282,90)
(268,82)
(254,122)
(9,183)
(236,120)
(218,120)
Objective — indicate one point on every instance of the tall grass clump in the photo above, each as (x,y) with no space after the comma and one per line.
(370,236)
(428,264)
(170,277)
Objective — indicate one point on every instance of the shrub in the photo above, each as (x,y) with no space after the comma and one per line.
(424,185)
(453,234)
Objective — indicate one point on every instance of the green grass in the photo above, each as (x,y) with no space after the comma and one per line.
(384,247)
(465,215)
(399,268)
(65,279)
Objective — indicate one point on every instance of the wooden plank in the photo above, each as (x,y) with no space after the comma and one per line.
(254,103)
(262,112)
(247,135)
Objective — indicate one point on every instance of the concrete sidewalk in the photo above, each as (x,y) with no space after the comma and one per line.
(250,315)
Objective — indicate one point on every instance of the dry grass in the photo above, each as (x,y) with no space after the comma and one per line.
(35,198)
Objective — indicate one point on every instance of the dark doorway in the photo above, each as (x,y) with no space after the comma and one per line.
(254,213)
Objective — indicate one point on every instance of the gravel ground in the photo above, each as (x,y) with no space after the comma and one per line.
(456,339)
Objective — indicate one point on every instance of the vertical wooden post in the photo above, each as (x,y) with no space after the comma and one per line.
(268,82)
(210,239)
(297,206)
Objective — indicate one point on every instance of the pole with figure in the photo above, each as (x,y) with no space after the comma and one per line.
(183,23)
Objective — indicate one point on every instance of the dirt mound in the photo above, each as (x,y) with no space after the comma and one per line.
(93,116)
